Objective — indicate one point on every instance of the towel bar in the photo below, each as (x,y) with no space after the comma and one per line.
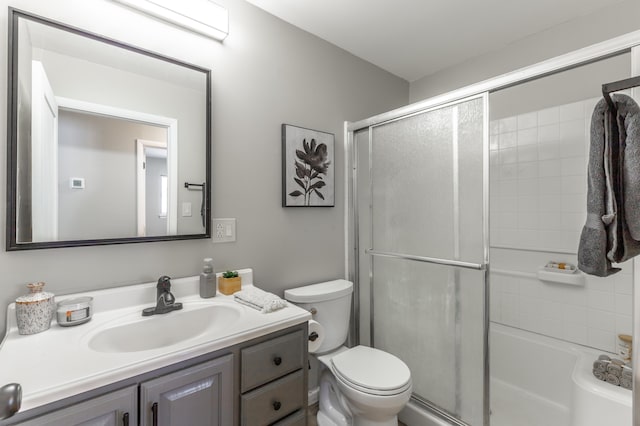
(608,88)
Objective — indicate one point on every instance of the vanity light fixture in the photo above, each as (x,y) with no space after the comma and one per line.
(202,16)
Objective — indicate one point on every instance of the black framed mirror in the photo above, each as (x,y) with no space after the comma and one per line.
(107,143)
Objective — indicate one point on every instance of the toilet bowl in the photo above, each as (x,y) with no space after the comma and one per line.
(373,385)
(359,386)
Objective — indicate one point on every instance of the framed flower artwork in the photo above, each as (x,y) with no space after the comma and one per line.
(307,167)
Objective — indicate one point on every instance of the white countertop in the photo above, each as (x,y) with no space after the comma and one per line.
(58,363)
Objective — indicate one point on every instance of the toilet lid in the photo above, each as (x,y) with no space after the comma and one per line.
(371,368)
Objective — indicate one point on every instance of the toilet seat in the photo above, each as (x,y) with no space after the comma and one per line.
(371,371)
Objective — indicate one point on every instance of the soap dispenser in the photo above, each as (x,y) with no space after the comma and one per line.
(207,280)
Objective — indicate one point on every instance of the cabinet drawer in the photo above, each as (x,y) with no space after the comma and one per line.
(269,360)
(274,401)
(296,419)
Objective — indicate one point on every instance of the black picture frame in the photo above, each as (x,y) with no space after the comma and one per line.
(308,167)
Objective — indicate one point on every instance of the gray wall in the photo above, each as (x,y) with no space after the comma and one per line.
(607,23)
(265,73)
(151,95)
(102,150)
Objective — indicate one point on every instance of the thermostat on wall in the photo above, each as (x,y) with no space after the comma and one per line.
(76,183)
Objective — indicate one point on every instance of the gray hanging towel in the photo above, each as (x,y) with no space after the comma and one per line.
(612,230)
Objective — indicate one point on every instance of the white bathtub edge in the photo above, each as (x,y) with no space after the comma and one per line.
(582,377)
(596,402)
(593,402)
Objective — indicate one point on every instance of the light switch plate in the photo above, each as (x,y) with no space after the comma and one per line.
(224,230)
(186,209)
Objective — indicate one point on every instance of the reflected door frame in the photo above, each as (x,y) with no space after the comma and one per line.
(141,185)
(44,158)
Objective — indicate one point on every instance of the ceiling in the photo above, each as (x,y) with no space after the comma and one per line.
(415,38)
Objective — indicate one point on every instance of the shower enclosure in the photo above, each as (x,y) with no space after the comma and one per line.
(421,182)
(422,197)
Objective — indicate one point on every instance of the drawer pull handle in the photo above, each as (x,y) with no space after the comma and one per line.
(277,405)
(125,419)
(154,412)
(277,360)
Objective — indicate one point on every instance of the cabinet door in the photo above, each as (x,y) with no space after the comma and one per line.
(197,396)
(119,408)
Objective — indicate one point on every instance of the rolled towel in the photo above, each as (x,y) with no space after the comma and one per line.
(613,379)
(600,365)
(600,375)
(259,299)
(604,357)
(626,382)
(617,361)
(627,372)
(614,369)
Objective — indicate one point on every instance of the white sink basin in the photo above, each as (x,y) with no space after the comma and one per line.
(147,333)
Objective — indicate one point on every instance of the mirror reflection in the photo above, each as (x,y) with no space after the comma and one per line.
(104,137)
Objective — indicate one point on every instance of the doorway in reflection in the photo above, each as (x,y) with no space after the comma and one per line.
(102,151)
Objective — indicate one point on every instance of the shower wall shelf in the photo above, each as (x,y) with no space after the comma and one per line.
(576,278)
(543,274)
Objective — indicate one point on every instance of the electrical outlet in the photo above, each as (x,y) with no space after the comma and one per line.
(224,230)
(219,231)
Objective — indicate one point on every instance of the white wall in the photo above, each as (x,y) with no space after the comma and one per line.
(264,74)
(584,31)
(538,208)
(539,147)
(592,314)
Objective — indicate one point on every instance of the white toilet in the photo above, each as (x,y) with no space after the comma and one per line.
(360,386)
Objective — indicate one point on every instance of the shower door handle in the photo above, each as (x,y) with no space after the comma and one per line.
(433,260)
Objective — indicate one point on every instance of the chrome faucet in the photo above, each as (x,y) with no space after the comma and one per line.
(165,301)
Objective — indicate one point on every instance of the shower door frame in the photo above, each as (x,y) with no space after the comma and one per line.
(628,43)
(454,263)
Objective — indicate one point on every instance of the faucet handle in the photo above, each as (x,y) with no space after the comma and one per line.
(164,283)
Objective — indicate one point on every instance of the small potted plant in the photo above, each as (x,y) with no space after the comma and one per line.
(229,282)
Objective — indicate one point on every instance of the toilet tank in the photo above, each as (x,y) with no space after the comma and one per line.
(332,303)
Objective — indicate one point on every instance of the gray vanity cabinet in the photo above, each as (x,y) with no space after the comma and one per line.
(200,395)
(118,408)
(258,382)
(273,382)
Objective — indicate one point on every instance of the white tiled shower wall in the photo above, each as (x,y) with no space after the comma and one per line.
(538,164)
(538,189)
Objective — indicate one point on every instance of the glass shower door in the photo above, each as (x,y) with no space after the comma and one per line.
(425,251)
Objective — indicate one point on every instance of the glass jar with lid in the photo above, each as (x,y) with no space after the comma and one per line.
(35,310)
